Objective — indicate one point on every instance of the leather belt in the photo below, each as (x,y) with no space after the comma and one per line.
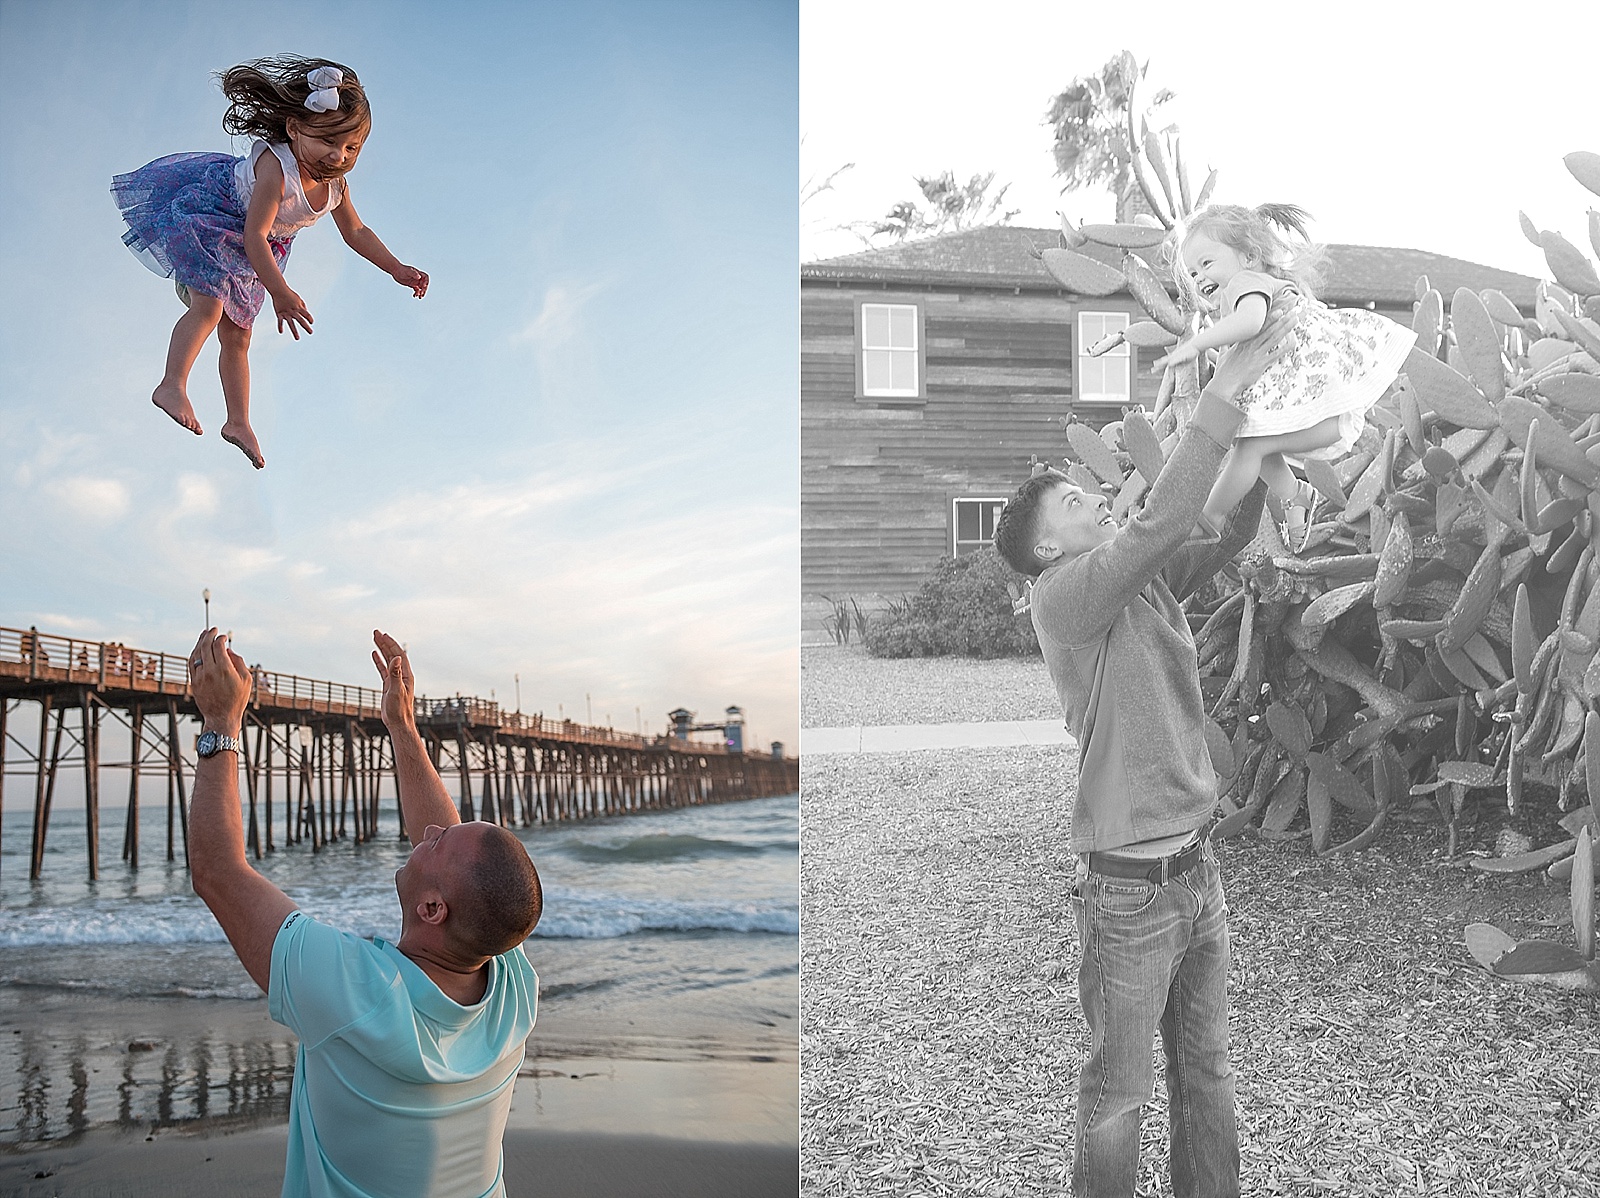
(1159,870)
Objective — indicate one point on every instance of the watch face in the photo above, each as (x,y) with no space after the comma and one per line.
(207,744)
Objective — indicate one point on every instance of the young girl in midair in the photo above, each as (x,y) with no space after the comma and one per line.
(221,226)
(1312,402)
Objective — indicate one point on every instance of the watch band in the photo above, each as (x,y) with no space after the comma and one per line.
(220,742)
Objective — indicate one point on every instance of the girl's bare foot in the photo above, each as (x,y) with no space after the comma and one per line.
(243,436)
(172,400)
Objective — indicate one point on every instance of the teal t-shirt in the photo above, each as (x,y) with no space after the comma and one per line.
(399,1091)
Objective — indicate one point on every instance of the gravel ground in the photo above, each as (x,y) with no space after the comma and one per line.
(940,1031)
(841,686)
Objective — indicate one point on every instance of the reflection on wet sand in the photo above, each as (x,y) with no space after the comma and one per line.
(68,1086)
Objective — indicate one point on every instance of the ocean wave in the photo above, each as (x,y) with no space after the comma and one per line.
(568,914)
(621,915)
(663,846)
(548,991)
(148,923)
(126,988)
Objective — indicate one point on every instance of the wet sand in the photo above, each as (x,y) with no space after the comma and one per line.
(118,1096)
(249,1164)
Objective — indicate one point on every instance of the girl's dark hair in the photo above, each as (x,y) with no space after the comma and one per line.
(265,92)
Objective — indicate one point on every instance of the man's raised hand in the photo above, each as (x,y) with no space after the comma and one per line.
(399,684)
(219,680)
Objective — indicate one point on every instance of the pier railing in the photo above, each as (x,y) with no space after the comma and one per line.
(42,657)
(290,692)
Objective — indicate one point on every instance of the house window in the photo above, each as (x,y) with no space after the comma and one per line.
(890,365)
(972,522)
(1107,378)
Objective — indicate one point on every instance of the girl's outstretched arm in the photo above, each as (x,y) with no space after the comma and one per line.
(264,201)
(1244,322)
(365,242)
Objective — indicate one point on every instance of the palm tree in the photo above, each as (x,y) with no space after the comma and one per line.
(1090,119)
(946,207)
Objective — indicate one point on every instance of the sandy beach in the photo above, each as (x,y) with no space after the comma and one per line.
(250,1164)
(136,1055)
(186,1096)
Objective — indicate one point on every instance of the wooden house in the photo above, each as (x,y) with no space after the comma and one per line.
(931,370)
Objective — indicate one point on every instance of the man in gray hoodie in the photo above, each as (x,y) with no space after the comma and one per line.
(1152,920)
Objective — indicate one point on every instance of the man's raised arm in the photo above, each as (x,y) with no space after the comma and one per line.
(249,908)
(423,798)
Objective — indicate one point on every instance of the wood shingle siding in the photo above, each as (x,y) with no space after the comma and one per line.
(878,475)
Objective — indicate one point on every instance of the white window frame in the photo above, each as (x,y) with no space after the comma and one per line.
(1106,323)
(912,351)
(959,547)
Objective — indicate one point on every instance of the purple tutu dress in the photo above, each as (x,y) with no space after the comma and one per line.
(185,216)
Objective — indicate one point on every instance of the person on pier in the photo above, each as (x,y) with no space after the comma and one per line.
(408,1051)
(1152,920)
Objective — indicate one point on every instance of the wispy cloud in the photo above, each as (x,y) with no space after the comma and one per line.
(667,607)
(196,496)
(97,500)
(583,577)
(413,514)
(560,316)
(49,450)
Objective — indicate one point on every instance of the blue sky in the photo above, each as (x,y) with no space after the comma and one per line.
(575,460)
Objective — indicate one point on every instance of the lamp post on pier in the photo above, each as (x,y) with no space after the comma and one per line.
(206,596)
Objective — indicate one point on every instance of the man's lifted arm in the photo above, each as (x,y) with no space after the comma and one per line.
(423,798)
(249,908)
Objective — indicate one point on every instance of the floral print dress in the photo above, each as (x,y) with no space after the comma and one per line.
(1341,363)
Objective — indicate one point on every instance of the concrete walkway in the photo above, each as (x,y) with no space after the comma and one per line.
(902,738)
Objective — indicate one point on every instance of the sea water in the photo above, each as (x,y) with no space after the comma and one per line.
(666,935)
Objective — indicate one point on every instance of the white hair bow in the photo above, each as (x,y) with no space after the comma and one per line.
(324,83)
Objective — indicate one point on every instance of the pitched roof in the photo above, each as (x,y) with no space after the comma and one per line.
(1001,256)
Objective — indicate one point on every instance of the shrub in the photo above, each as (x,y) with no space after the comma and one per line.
(963,609)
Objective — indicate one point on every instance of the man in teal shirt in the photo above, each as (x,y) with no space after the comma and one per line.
(408,1051)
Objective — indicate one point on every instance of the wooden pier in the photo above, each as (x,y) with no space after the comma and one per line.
(317,752)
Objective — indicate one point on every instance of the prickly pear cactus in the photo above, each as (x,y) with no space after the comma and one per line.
(1154,154)
(1545,962)
(1437,632)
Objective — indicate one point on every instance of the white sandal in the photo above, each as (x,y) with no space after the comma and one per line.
(1203,533)
(1297,511)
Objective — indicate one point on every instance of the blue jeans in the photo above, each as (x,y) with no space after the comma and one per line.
(1155,957)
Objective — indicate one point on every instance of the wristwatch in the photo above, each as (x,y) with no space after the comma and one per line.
(209,744)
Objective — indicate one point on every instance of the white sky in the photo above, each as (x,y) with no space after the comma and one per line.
(575,460)
(1419,125)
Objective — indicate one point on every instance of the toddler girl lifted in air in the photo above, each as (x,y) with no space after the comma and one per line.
(221,226)
(1311,403)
